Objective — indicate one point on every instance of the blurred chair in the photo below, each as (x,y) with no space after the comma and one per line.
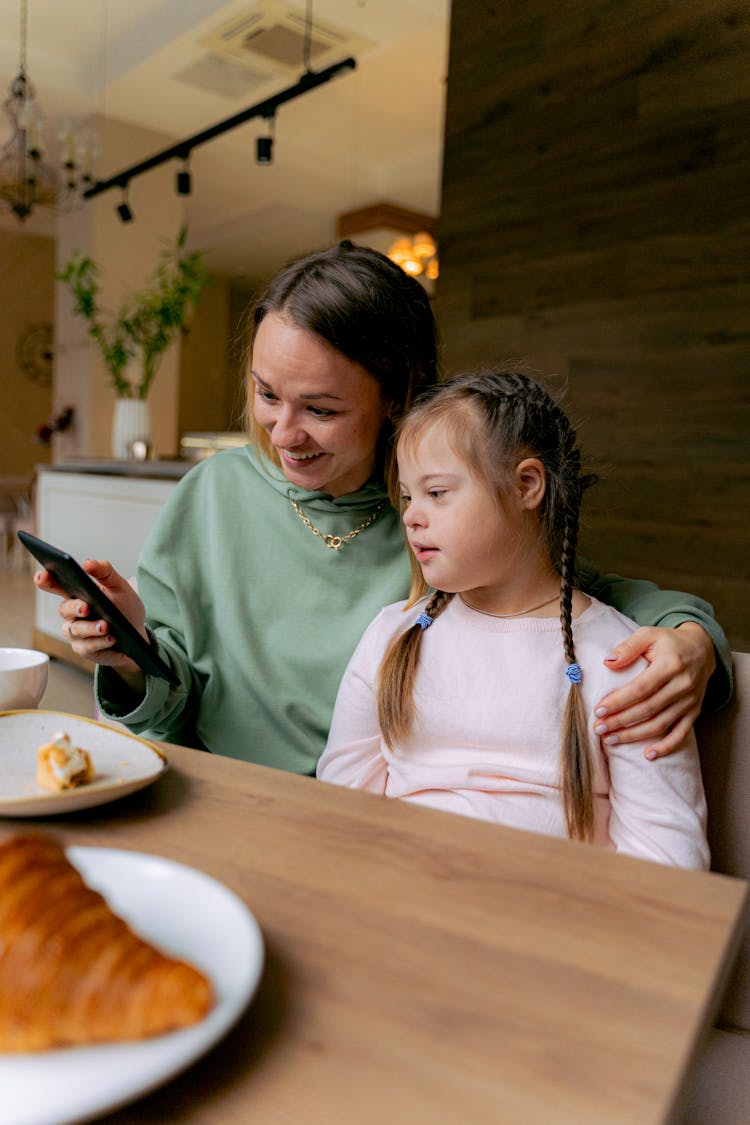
(719,1092)
(17,513)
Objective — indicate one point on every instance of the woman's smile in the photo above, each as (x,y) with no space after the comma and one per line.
(300,458)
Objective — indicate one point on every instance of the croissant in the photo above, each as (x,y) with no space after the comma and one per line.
(71,971)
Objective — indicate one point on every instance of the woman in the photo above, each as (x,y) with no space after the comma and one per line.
(267,562)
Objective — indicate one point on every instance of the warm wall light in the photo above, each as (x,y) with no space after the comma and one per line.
(405,236)
(416,255)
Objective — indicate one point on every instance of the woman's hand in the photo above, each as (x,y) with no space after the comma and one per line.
(92,639)
(663,702)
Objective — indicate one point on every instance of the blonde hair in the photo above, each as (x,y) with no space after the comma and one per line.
(493,420)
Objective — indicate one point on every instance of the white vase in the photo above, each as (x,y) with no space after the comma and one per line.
(131,429)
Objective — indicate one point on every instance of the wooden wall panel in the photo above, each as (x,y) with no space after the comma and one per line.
(596,222)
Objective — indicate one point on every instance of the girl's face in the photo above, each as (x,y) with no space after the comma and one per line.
(463,539)
(322,412)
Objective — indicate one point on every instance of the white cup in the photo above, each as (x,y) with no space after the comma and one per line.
(23,678)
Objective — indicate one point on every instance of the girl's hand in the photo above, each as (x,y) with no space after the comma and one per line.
(92,639)
(663,702)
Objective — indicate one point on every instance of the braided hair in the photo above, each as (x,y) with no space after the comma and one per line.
(398,672)
(494,419)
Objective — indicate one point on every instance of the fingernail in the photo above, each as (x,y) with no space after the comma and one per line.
(651,755)
(600,728)
(610,740)
(101,628)
(600,712)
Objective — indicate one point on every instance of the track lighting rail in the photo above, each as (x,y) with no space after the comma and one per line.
(310,80)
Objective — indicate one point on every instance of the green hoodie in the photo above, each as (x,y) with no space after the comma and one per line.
(259,618)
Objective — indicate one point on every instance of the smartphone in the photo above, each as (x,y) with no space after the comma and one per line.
(78,584)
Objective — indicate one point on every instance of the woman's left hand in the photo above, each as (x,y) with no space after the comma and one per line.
(663,702)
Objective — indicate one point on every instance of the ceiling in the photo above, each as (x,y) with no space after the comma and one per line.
(374,134)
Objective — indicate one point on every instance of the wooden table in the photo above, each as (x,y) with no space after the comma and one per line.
(427,968)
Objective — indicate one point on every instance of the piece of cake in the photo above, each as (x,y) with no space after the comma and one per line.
(61,765)
(72,972)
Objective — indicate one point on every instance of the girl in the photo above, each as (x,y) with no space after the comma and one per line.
(465,704)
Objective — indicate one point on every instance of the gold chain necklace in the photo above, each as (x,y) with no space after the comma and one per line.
(520,613)
(336,542)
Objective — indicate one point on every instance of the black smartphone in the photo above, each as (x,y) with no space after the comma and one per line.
(78,584)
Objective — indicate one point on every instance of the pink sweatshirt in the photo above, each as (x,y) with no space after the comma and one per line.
(489,700)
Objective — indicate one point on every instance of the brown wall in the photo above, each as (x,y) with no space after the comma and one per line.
(212,362)
(595,221)
(26,300)
(204,390)
(240,306)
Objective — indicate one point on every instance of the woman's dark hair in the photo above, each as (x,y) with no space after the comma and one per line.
(366,307)
(493,420)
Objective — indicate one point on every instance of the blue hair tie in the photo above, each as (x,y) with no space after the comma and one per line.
(424,620)
(574,673)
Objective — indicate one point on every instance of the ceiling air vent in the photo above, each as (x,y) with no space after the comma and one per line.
(273,33)
(224,77)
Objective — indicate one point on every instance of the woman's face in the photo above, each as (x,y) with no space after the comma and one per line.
(322,412)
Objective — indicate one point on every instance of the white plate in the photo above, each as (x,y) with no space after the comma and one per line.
(183,912)
(123,763)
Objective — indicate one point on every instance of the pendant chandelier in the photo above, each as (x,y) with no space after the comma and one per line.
(27,180)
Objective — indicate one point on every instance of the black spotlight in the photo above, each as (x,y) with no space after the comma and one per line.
(184,185)
(264,150)
(123,207)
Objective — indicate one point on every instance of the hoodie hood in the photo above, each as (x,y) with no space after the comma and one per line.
(363,500)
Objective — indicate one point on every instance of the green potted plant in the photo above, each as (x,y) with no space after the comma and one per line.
(144,326)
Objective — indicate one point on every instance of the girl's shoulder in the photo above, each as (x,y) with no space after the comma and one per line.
(389,622)
(595,633)
(600,617)
(396,615)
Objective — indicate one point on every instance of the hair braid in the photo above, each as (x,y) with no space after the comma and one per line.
(575,762)
(568,543)
(398,671)
(437,603)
